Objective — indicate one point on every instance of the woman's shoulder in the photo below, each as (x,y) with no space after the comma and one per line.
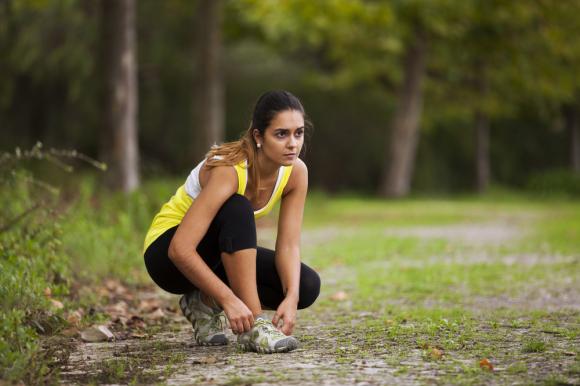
(298,177)
(299,170)
(222,174)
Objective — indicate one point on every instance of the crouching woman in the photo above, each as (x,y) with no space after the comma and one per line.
(202,244)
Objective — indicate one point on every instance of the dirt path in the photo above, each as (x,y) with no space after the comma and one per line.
(337,346)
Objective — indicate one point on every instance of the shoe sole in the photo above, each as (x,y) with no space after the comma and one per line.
(211,344)
(260,350)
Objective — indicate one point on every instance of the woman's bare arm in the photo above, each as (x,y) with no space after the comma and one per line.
(221,184)
(288,243)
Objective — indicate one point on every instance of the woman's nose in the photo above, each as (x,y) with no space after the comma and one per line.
(292,142)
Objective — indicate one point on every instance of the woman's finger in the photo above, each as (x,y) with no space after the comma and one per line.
(246,325)
(235,327)
(276,319)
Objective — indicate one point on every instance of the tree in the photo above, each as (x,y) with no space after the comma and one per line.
(120,148)
(209,97)
(404,134)
(370,43)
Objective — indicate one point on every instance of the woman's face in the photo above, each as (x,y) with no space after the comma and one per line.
(283,138)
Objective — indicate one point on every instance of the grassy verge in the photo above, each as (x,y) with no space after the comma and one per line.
(433,287)
(430,282)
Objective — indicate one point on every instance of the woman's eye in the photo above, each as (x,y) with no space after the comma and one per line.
(280,134)
(299,133)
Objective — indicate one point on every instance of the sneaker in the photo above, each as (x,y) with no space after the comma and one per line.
(265,338)
(208,323)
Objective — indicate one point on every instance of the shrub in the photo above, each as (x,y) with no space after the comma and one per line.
(32,263)
(560,182)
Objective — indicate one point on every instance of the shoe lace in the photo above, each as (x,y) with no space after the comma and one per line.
(267,326)
(218,321)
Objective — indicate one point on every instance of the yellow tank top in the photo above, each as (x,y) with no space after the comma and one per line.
(173,211)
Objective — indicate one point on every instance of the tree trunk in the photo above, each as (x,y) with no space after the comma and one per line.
(404,137)
(482,161)
(481,129)
(571,116)
(209,107)
(120,94)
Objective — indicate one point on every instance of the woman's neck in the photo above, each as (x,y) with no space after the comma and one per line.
(266,168)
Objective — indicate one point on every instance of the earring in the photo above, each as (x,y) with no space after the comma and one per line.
(259,145)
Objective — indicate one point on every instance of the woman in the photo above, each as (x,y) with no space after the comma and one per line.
(202,243)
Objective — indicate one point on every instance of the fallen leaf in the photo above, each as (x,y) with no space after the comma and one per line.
(74,318)
(47,292)
(570,353)
(435,353)
(97,334)
(121,320)
(339,296)
(208,360)
(149,305)
(136,322)
(485,364)
(155,315)
(56,304)
(117,309)
(115,286)
(73,331)
(138,335)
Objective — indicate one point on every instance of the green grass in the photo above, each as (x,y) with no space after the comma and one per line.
(471,300)
(439,290)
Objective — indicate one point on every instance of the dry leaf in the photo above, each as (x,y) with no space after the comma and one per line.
(155,315)
(435,353)
(115,286)
(73,331)
(339,296)
(149,305)
(117,309)
(74,318)
(208,360)
(138,335)
(485,364)
(56,304)
(136,322)
(97,334)
(47,292)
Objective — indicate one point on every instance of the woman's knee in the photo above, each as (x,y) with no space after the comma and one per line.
(237,206)
(236,224)
(309,287)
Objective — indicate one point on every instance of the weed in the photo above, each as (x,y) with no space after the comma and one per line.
(533,345)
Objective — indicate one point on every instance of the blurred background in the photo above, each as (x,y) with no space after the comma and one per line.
(468,110)
(407,96)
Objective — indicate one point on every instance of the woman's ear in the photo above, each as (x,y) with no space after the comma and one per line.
(257,136)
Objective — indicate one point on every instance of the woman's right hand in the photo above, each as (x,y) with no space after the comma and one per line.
(239,315)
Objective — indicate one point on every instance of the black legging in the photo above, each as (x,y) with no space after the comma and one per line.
(232,229)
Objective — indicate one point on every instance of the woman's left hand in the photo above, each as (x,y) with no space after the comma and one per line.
(286,312)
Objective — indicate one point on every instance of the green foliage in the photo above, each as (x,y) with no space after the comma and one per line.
(33,263)
(533,345)
(343,57)
(31,260)
(103,234)
(555,182)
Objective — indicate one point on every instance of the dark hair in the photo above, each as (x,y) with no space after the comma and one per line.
(271,103)
(267,106)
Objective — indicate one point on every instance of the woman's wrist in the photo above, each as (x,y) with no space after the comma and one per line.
(292,295)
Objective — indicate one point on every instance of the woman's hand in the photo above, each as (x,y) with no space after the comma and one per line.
(239,315)
(286,312)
